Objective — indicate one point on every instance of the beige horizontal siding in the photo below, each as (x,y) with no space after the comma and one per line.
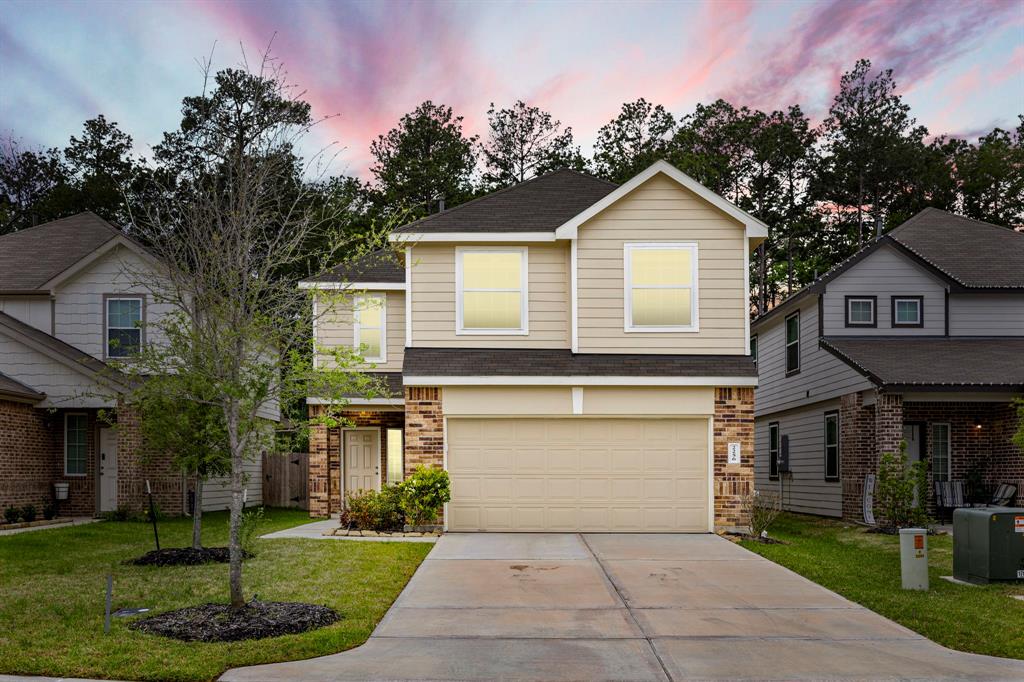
(334,327)
(433,299)
(661,210)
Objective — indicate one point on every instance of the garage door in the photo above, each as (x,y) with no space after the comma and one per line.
(583,474)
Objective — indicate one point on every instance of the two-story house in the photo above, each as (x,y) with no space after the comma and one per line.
(72,307)
(918,337)
(574,353)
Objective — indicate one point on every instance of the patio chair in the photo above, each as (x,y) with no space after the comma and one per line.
(1003,495)
(949,495)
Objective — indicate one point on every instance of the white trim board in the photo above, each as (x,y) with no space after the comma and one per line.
(576,381)
(504,237)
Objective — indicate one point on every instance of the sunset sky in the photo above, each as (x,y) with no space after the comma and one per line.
(959,64)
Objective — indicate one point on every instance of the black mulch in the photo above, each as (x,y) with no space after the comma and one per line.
(184,556)
(255,620)
(757,538)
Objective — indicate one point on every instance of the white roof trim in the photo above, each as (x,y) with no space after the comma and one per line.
(754,227)
(575,381)
(356,401)
(355,286)
(472,237)
(103,249)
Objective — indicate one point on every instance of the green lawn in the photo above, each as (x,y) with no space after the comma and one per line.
(865,568)
(52,586)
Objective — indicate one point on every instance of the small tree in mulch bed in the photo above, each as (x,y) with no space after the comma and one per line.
(184,556)
(221,623)
(900,492)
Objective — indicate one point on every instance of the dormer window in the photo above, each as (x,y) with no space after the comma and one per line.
(123,326)
(661,287)
(491,296)
(860,311)
(907,311)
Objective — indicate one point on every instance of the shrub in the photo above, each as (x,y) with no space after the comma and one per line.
(897,487)
(761,510)
(424,493)
(251,521)
(119,515)
(373,510)
(28,513)
(49,511)
(12,514)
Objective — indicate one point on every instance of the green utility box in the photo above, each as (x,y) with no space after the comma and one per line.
(988,544)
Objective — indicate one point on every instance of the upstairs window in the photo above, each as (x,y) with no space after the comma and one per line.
(124,326)
(860,311)
(491,291)
(368,327)
(832,446)
(907,311)
(793,343)
(661,287)
(753,348)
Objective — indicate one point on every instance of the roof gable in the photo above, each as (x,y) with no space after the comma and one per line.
(376,267)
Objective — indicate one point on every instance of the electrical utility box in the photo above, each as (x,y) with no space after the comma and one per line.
(988,544)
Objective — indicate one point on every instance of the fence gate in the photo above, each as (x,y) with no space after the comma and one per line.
(286,480)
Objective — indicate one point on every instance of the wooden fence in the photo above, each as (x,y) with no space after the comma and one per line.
(286,480)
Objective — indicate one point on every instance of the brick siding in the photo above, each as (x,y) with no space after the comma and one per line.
(857,455)
(733,423)
(136,464)
(26,454)
(424,427)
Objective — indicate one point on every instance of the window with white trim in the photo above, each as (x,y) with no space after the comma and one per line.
(124,326)
(661,287)
(368,327)
(906,311)
(396,456)
(940,452)
(491,290)
(76,444)
(831,446)
(860,311)
(773,450)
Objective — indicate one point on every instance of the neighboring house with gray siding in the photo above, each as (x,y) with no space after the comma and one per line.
(71,308)
(919,337)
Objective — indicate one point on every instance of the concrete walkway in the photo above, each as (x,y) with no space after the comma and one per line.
(315,531)
(626,607)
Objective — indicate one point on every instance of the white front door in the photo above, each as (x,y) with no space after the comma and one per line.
(108,469)
(362,460)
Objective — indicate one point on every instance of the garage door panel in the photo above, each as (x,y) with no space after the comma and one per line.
(626,475)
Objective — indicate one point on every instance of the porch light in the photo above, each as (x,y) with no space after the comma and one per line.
(977,426)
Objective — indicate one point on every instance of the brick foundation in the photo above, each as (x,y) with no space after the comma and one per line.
(733,423)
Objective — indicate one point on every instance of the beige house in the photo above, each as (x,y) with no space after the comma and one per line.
(575,353)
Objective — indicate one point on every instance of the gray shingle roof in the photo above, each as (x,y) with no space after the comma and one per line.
(15,389)
(973,253)
(377,266)
(557,362)
(14,327)
(29,258)
(935,361)
(537,205)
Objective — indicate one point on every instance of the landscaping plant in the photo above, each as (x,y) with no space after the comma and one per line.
(372,510)
(12,514)
(28,513)
(900,491)
(49,510)
(248,531)
(424,493)
(761,509)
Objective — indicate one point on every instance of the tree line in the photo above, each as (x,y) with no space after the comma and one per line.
(824,189)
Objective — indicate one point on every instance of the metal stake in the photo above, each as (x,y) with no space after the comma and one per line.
(152,515)
(110,590)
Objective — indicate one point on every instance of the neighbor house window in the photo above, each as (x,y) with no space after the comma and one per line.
(491,291)
(860,311)
(396,456)
(793,343)
(661,287)
(773,450)
(76,444)
(753,349)
(831,446)
(368,328)
(124,327)
(907,311)
(940,452)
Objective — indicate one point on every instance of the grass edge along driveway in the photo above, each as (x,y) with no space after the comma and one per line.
(52,586)
(865,568)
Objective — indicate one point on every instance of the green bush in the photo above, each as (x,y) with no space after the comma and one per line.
(424,493)
(247,530)
(896,487)
(373,510)
(12,514)
(28,513)
(49,510)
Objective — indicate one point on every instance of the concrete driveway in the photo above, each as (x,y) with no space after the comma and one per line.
(626,607)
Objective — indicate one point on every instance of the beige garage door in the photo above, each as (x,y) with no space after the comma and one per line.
(585,474)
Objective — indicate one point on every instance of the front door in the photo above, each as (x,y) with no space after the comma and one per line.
(912,436)
(108,469)
(362,460)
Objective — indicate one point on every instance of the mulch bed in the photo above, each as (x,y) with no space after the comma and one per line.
(756,538)
(255,620)
(185,556)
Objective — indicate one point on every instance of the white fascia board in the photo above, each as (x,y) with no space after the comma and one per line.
(355,286)
(575,381)
(505,237)
(356,401)
(755,229)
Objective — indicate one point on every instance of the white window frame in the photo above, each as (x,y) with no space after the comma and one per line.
(907,299)
(949,452)
(523,290)
(831,414)
(106,324)
(627,292)
(357,326)
(862,299)
(76,414)
(401,451)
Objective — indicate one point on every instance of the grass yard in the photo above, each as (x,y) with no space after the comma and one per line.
(52,587)
(865,568)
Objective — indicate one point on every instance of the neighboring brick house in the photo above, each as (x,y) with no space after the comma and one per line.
(70,309)
(575,354)
(919,337)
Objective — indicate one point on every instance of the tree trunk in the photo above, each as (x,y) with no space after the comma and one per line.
(860,210)
(197,515)
(234,534)
(762,277)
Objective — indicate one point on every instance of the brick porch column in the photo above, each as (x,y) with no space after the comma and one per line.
(319,478)
(856,452)
(888,424)
(733,423)
(424,427)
